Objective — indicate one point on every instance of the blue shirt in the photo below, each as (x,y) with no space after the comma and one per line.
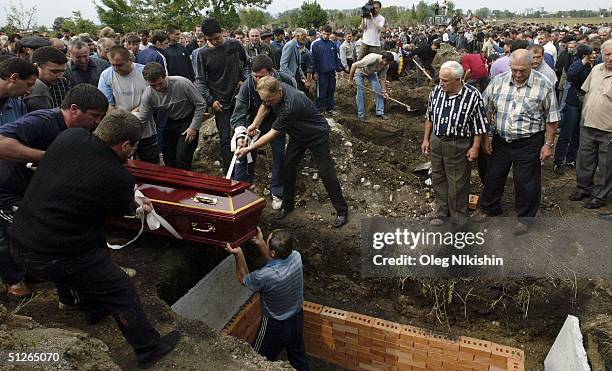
(35,130)
(281,284)
(11,110)
(325,56)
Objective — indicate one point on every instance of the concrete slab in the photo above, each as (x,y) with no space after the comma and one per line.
(567,352)
(216,298)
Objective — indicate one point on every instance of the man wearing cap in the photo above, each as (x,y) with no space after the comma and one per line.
(51,87)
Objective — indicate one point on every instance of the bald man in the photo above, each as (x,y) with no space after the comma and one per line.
(523,116)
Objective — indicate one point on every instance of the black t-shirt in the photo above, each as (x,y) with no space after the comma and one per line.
(36,130)
(298,116)
(79,182)
(179,63)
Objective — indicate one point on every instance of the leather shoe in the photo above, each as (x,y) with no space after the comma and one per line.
(594,204)
(340,221)
(383,117)
(282,214)
(520,228)
(578,196)
(18,290)
(606,216)
(165,345)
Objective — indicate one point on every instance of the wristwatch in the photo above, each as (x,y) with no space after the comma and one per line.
(551,145)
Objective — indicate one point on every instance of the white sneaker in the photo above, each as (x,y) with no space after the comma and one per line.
(277,203)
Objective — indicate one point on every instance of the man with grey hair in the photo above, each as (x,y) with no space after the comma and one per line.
(522,109)
(604,33)
(291,58)
(81,68)
(596,134)
(103,46)
(454,127)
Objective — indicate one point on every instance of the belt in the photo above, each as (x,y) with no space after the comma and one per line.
(518,140)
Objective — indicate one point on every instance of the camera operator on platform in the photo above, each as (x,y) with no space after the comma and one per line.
(371,25)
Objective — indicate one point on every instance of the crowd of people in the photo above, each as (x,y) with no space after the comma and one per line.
(78,106)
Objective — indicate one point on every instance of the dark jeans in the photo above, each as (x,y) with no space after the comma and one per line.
(10,272)
(160,122)
(148,150)
(222,120)
(325,167)
(595,152)
(273,336)
(98,284)
(483,164)
(569,139)
(524,158)
(177,152)
(326,87)
(246,172)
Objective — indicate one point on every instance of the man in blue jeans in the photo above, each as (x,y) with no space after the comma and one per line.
(248,102)
(372,67)
(281,285)
(325,62)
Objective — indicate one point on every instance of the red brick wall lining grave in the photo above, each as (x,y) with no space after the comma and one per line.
(359,342)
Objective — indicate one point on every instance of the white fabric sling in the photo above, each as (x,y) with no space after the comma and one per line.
(240,133)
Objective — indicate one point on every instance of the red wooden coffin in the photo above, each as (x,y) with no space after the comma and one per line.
(202,208)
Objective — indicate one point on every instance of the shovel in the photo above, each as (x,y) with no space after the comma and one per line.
(410,109)
(422,69)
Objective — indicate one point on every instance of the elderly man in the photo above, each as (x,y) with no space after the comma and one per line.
(372,67)
(104,45)
(537,54)
(523,113)
(457,131)
(596,134)
(298,117)
(548,45)
(81,68)
(290,60)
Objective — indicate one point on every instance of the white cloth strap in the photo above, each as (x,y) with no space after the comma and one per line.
(240,133)
(154,221)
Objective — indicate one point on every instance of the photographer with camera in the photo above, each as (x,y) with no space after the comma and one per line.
(371,25)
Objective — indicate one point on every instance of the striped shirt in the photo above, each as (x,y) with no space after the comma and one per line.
(281,284)
(458,116)
(520,111)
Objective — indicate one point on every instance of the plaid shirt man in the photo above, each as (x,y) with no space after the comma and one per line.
(520,111)
(58,91)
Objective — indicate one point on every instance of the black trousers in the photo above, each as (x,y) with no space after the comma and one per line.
(98,284)
(524,158)
(148,150)
(325,167)
(222,120)
(273,336)
(177,152)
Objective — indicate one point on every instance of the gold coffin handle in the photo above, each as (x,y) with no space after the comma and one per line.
(205,200)
(209,228)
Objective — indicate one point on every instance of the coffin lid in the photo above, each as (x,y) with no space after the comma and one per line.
(163,175)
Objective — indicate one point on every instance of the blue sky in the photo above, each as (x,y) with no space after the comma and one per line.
(49,10)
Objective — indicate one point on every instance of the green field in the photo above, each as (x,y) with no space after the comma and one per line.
(555,21)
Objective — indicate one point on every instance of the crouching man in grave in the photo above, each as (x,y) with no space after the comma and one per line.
(281,286)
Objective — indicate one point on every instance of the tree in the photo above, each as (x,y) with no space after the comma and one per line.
(58,24)
(483,13)
(118,14)
(312,15)
(77,24)
(20,19)
(422,11)
(253,18)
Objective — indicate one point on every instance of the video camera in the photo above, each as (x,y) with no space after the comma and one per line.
(367,9)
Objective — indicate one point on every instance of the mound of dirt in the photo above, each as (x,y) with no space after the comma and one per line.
(445,53)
